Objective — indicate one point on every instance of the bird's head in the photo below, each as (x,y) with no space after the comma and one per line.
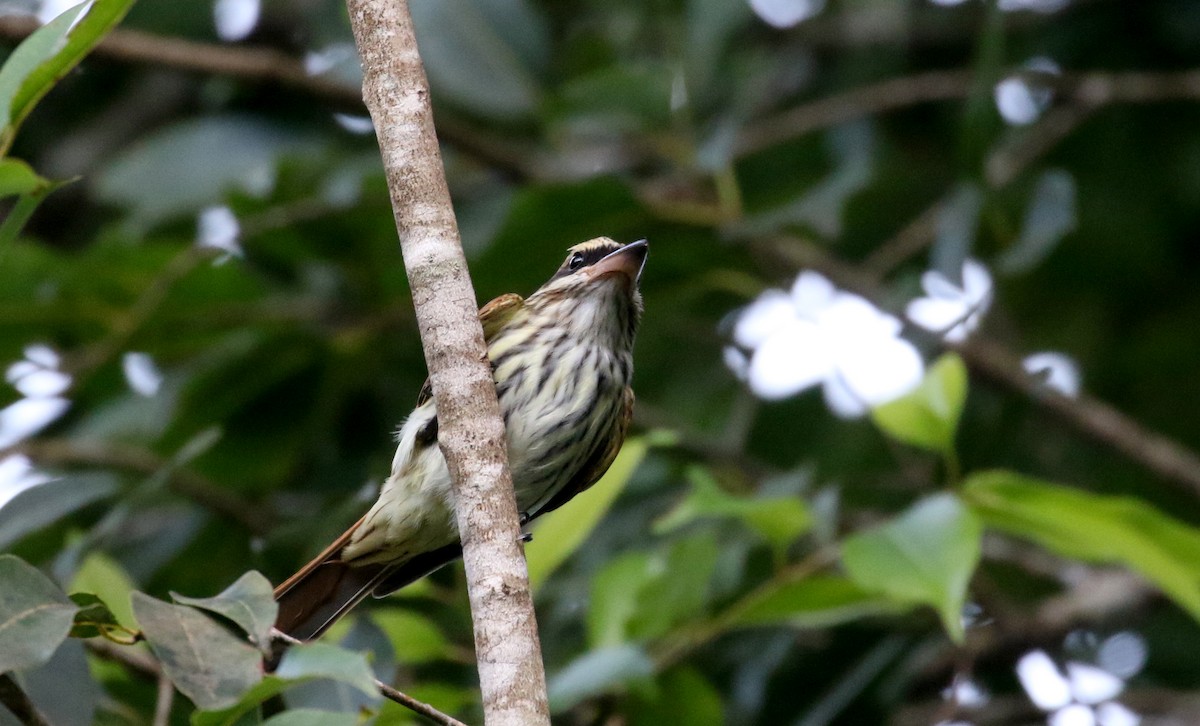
(595,291)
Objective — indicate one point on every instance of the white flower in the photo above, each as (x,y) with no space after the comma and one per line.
(950,310)
(1056,371)
(218,228)
(20,420)
(819,335)
(141,373)
(235,19)
(1020,100)
(16,475)
(1071,700)
(37,375)
(1043,682)
(786,13)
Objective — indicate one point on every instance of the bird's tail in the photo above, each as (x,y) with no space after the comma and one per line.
(327,588)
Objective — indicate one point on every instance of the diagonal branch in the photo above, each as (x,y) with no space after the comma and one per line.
(470,429)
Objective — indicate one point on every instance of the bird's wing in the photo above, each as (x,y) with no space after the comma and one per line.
(492,317)
(597,463)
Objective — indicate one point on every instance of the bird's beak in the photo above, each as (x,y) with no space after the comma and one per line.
(628,261)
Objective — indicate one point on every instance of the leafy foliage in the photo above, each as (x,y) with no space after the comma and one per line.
(234,238)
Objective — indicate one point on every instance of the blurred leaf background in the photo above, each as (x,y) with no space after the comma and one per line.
(219,284)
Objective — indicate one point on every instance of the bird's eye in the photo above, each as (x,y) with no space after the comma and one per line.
(575,262)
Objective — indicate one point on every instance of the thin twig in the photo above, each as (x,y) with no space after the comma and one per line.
(187,484)
(164,701)
(17,701)
(267,65)
(136,660)
(281,641)
(417,706)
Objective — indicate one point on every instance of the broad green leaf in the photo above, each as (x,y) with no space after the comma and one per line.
(485,55)
(206,662)
(557,535)
(928,416)
(17,177)
(47,503)
(312,717)
(47,55)
(597,672)
(1093,528)
(641,595)
(415,637)
(35,615)
(321,660)
(249,602)
(144,178)
(780,520)
(679,590)
(103,576)
(265,689)
(679,696)
(614,600)
(818,601)
(925,556)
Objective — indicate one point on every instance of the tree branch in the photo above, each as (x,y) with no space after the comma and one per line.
(187,484)
(416,706)
(471,432)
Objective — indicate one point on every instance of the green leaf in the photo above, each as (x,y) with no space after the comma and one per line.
(780,520)
(206,662)
(1093,528)
(928,416)
(559,534)
(321,660)
(35,615)
(680,696)
(94,618)
(104,576)
(17,177)
(312,717)
(42,59)
(925,556)
(818,601)
(249,602)
(614,601)
(597,672)
(415,637)
(641,595)
(269,687)
(483,54)
(47,503)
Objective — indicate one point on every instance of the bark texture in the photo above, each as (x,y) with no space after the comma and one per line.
(471,432)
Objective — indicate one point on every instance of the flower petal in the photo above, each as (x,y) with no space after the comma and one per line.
(938,285)
(43,383)
(935,314)
(1091,685)
(1057,371)
(811,293)
(1042,680)
(762,318)
(141,373)
(883,370)
(841,400)
(794,358)
(26,417)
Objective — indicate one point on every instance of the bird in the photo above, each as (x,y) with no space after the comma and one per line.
(562,361)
